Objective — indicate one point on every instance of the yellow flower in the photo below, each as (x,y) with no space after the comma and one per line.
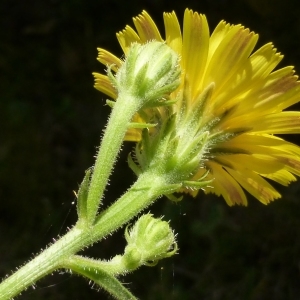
(245,109)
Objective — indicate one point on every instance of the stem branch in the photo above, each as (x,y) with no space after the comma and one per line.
(144,192)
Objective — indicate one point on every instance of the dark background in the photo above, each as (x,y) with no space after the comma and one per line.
(51,122)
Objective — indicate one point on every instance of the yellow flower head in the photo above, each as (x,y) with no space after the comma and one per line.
(241,99)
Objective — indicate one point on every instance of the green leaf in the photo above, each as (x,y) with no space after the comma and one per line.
(141,125)
(110,284)
(110,103)
(82,196)
(133,166)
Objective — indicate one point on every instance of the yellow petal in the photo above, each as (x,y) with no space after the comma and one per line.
(292,163)
(103,84)
(126,37)
(249,78)
(280,91)
(173,32)
(279,123)
(108,59)
(195,50)
(224,184)
(217,37)
(283,177)
(263,164)
(146,28)
(273,94)
(132,135)
(284,152)
(254,184)
(229,56)
(250,141)
(264,60)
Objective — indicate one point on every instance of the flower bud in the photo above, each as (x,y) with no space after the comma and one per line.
(149,72)
(148,241)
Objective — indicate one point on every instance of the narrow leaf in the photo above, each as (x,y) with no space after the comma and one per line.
(82,196)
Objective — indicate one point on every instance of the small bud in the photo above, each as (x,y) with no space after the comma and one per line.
(149,72)
(148,241)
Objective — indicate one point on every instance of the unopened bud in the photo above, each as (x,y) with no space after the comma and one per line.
(148,241)
(149,72)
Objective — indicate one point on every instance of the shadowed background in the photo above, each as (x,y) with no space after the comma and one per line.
(51,122)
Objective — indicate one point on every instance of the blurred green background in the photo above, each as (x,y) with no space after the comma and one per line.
(51,122)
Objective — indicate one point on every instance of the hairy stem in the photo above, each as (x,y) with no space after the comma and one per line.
(121,115)
(145,191)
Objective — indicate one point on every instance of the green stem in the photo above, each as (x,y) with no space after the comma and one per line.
(45,263)
(147,188)
(121,115)
(102,274)
(114,267)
